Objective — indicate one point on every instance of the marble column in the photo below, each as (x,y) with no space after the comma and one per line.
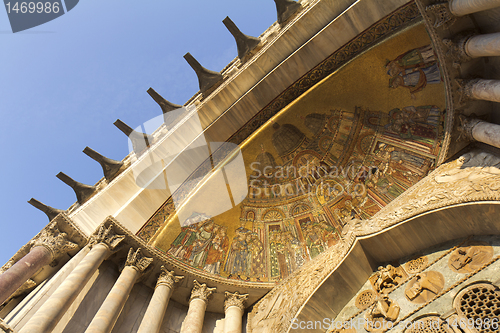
(464,7)
(234,308)
(481,131)
(479,89)
(49,245)
(47,317)
(107,315)
(193,323)
(483,45)
(153,318)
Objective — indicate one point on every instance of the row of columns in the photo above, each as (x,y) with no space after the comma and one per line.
(99,248)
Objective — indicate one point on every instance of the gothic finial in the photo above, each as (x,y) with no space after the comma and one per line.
(82,191)
(139,140)
(109,167)
(206,78)
(286,8)
(165,105)
(244,43)
(49,211)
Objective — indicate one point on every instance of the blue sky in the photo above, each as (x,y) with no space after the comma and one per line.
(64,83)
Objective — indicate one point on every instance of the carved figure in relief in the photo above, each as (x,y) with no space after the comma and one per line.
(467,259)
(414,70)
(385,310)
(424,286)
(386,278)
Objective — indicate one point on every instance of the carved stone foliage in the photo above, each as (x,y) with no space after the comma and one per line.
(168,278)
(55,241)
(235,299)
(136,260)
(386,278)
(384,311)
(107,237)
(201,291)
(469,258)
(424,287)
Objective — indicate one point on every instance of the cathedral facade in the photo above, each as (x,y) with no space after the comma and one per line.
(342,174)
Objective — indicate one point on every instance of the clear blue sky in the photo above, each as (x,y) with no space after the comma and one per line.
(64,83)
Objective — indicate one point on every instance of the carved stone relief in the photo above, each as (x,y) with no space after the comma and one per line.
(386,278)
(365,299)
(416,265)
(469,258)
(378,316)
(424,287)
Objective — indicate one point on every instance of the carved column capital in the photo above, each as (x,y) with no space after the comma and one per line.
(54,241)
(465,89)
(201,291)
(168,278)
(441,13)
(467,125)
(457,51)
(235,299)
(106,237)
(137,261)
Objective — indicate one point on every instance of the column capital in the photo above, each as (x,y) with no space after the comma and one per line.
(168,278)
(467,125)
(465,89)
(235,299)
(106,237)
(201,291)
(441,13)
(457,50)
(137,261)
(55,241)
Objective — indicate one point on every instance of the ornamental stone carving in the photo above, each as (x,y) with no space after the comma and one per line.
(107,237)
(201,291)
(424,287)
(456,50)
(469,258)
(441,13)
(235,299)
(384,311)
(168,278)
(467,123)
(54,241)
(386,278)
(137,261)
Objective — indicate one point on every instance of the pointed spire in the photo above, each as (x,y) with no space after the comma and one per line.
(49,211)
(82,191)
(206,78)
(165,105)
(244,43)
(139,140)
(109,167)
(286,8)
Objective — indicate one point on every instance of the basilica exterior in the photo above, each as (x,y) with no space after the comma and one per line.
(342,174)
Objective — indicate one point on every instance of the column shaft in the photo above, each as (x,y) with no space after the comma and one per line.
(110,310)
(487,133)
(233,320)
(488,90)
(153,318)
(483,46)
(21,271)
(464,7)
(193,323)
(47,317)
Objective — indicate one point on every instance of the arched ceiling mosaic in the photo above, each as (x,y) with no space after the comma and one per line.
(344,149)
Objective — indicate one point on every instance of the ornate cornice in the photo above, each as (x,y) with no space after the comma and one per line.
(474,177)
(137,261)
(106,237)
(168,278)
(235,299)
(55,241)
(201,291)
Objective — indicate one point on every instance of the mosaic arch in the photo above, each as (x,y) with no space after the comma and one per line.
(344,149)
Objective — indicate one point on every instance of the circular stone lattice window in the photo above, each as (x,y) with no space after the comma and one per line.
(430,324)
(481,303)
